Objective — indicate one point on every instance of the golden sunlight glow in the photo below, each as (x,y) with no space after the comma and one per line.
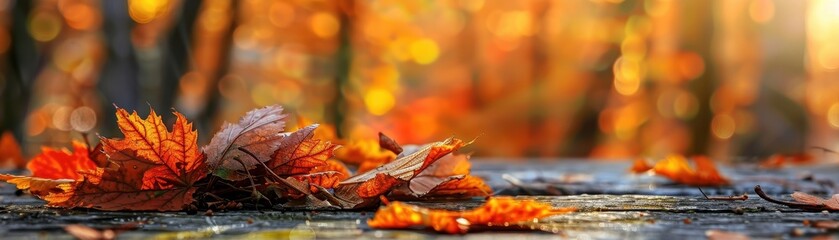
(324,24)
(424,51)
(379,101)
(44,26)
(723,126)
(145,11)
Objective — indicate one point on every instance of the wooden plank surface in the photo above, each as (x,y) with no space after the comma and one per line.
(612,204)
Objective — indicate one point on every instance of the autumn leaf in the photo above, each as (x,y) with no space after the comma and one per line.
(51,190)
(62,164)
(389,144)
(496,211)
(361,190)
(259,131)
(412,163)
(468,186)
(326,176)
(804,201)
(153,168)
(323,132)
(10,154)
(381,184)
(640,166)
(367,154)
(678,169)
(725,235)
(298,153)
(777,161)
(832,203)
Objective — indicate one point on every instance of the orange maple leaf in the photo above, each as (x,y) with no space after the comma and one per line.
(62,164)
(153,168)
(677,168)
(298,153)
(496,211)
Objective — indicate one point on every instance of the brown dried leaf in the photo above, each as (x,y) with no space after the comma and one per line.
(298,153)
(830,204)
(259,131)
(388,143)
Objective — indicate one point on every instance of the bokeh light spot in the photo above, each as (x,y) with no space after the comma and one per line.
(83,119)
(833,115)
(44,27)
(762,11)
(379,101)
(424,51)
(145,11)
(324,24)
(723,126)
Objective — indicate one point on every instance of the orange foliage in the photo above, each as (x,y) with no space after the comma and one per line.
(468,186)
(327,176)
(325,131)
(298,153)
(10,154)
(640,166)
(153,169)
(377,186)
(780,160)
(365,153)
(61,164)
(51,190)
(677,168)
(496,211)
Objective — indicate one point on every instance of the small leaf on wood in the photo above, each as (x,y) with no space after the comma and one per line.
(495,213)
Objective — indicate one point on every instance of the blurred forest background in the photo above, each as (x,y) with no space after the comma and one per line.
(534,78)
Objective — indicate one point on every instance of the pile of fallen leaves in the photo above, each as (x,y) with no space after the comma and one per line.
(254,163)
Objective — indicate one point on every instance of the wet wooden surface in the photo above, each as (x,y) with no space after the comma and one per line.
(612,205)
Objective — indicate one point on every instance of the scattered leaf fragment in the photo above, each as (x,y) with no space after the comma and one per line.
(88,233)
(677,169)
(725,235)
(640,165)
(389,144)
(777,161)
(495,212)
